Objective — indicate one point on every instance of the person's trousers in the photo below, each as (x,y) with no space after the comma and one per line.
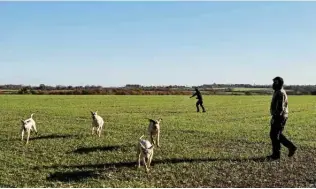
(199,103)
(277,137)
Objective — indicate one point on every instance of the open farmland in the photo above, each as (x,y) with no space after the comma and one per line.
(251,89)
(224,147)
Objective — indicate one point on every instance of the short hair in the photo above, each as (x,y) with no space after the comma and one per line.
(279,79)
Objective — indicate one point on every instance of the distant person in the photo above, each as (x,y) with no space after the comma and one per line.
(200,100)
(279,112)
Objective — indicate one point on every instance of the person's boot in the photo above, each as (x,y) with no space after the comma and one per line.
(292,151)
(273,157)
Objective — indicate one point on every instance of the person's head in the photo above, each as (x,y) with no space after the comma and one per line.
(277,83)
(196,89)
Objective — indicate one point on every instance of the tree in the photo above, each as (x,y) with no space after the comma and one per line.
(42,87)
(24,90)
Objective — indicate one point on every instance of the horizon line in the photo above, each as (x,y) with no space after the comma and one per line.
(165,85)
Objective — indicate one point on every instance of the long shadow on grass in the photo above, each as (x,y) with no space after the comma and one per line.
(85,150)
(53,136)
(6,186)
(154,162)
(71,176)
(76,176)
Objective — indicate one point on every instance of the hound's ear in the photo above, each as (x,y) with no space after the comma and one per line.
(22,121)
(159,120)
(151,120)
(91,112)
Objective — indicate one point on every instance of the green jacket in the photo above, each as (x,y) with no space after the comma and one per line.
(279,104)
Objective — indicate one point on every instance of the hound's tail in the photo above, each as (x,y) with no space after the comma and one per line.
(32,115)
(140,138)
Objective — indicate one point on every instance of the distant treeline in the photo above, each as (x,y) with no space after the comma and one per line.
(212,89)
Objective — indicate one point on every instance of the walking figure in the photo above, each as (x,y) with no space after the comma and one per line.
(279,112)
(200,100)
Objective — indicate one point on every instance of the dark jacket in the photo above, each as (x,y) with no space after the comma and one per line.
(198,95)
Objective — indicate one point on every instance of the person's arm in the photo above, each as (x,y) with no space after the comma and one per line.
(193,95)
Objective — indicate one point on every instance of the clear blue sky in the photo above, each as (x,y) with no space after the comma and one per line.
(157,43)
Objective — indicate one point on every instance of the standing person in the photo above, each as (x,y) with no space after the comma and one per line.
(279,112)
(200,100)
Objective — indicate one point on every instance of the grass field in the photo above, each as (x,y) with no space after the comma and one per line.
(221,148)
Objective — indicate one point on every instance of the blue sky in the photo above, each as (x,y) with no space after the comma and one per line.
(157,43)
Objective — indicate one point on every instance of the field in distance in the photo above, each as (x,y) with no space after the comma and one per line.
(224,147)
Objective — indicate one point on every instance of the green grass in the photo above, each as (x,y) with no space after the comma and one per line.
(221,148)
